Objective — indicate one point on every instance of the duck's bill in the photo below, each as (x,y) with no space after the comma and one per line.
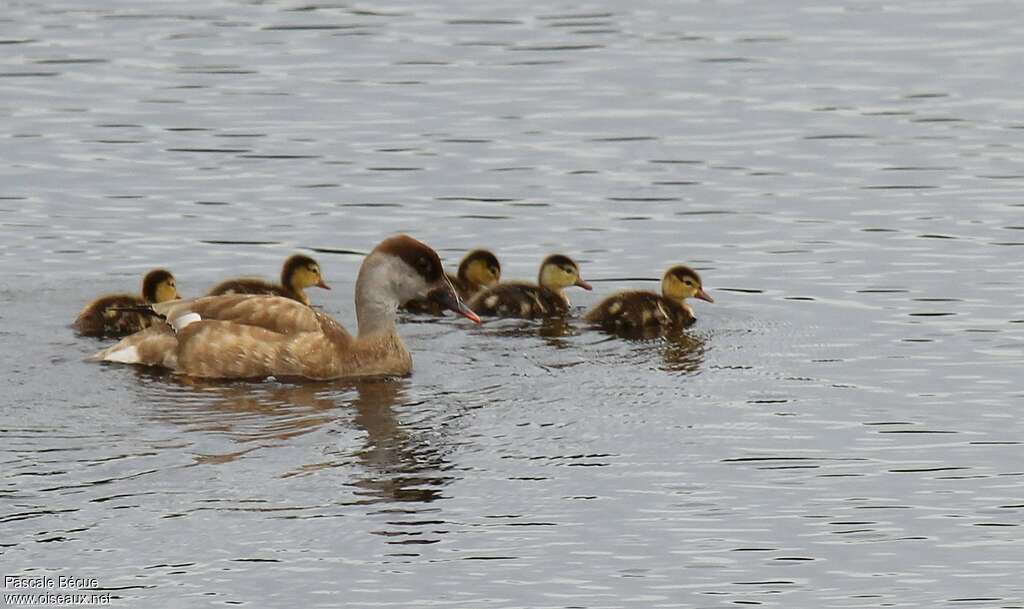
(583,284)
(703,295)
(446,297)
(321,284)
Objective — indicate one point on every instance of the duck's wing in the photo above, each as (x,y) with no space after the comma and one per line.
(228,349)
(274,313)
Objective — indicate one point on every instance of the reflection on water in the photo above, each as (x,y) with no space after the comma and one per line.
(395,463)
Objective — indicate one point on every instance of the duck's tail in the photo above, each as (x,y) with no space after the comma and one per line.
(157,345)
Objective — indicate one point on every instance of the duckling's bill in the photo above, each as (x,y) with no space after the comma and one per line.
(703,295)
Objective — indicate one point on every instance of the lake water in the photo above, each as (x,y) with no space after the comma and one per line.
(841,429)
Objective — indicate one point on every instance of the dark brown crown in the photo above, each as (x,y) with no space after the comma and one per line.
(416,254)
(489,259)
(150,282)
(563,261)
(681,272)
(294,263)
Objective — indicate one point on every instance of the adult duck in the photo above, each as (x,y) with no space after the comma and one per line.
(250,336)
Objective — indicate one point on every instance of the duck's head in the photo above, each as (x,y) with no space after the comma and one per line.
(480,267)
(558,272)
(300,272)
(681,282)
(159,286)
(413,271)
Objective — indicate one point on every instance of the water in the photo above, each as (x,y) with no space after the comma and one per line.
(839,430)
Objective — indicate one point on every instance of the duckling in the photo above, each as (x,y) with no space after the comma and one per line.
(255,336)
(635,309)
(298,273)
(479,269)
(520,299)
(105,315)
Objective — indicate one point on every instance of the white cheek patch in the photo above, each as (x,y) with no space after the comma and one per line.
(128,355)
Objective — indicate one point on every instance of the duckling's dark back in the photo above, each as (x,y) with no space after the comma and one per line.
(638,309)
(518,300)
(101,317)
(249,286)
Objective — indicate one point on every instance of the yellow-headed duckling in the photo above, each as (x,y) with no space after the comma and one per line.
(520,299)
(298,273)
(637,309)
(105,315)
(478,270)
(255,336)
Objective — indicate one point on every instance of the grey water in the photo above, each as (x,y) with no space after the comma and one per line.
(840,429)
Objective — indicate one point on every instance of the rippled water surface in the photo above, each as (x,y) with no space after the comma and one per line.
(841,429)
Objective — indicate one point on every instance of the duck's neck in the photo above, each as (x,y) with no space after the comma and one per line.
(376,299)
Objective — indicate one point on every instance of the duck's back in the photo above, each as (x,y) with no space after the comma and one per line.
(518,300)
(638,309)
(276,314)
(101,317)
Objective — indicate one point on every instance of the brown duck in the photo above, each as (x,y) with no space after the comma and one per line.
(252,336)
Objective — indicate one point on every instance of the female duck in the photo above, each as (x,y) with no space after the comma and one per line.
(635,309)
(252,336)
(106,316)
(298,273)
(520,299)
(478,270)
